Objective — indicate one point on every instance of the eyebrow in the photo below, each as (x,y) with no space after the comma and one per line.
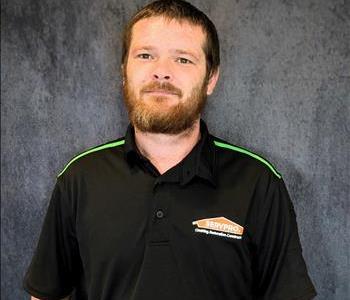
(144,48)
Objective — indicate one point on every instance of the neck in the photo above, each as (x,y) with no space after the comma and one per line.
(167,150)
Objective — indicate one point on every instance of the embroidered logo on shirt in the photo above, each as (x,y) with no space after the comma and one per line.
(219,226)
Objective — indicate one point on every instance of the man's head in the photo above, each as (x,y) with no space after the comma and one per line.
(170,63)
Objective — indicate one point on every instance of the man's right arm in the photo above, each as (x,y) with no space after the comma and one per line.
(56,264)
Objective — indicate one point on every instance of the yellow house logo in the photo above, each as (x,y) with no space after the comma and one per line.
(220,224)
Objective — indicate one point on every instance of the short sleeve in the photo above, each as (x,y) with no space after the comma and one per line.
(56,261)
(279,269)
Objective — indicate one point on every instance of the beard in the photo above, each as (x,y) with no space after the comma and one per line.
(156,115)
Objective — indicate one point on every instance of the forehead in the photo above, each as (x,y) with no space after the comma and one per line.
(162,32)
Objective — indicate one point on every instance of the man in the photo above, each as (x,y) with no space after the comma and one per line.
(169,211)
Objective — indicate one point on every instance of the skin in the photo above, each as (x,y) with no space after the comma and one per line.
(167,51)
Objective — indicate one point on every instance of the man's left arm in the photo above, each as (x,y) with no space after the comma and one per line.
(280,270)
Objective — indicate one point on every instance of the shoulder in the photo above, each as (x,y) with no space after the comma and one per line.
(92,155)
(244,157)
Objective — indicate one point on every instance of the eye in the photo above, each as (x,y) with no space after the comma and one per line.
(144,56)
(183,60)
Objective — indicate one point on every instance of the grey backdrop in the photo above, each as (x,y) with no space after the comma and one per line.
(284,93)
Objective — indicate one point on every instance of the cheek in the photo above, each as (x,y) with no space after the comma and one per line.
(189,83)
(137,75)
(190,75)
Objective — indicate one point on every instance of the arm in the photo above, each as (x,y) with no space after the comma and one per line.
(56,265)
(280,268)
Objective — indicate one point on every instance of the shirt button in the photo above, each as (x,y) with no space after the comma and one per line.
(159,214)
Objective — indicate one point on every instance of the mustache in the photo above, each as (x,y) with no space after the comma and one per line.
(161,87)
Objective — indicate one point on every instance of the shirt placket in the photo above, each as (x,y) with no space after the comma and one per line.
(160,213)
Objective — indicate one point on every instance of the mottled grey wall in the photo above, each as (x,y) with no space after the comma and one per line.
(284,93)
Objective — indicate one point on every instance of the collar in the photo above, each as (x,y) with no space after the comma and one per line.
(200,162)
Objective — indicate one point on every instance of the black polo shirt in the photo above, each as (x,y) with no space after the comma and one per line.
(219,225)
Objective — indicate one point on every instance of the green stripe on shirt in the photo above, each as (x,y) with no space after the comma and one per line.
(251,154)
(98,148)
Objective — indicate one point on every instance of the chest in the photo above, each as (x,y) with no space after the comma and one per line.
(117,219)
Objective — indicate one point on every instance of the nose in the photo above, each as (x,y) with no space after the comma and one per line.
(160,76)
(162,72)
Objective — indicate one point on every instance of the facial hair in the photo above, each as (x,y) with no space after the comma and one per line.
(155,115)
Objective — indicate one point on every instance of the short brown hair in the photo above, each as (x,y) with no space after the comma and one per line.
(182,11)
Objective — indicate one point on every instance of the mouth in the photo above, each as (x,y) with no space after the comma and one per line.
(160,92)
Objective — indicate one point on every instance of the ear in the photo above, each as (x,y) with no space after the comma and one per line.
(212,82)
